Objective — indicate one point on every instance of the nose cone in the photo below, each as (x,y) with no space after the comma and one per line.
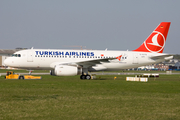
(7,62)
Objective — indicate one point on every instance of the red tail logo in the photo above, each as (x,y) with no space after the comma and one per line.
(119,57)
(156,41)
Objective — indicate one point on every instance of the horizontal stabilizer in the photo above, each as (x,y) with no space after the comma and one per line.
(165,57)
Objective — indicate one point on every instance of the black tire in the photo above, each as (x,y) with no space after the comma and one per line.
(88,77)
(82,77)
(21,77)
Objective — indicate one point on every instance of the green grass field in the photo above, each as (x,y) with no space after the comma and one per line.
(69,98)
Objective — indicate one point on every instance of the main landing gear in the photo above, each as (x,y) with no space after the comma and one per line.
(85,74)
(82,77)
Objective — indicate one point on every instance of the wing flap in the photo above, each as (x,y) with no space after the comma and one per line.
(93,62)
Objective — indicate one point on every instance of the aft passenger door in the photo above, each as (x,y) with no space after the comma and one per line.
(135,58)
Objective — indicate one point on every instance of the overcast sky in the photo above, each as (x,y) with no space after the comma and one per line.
(96,24)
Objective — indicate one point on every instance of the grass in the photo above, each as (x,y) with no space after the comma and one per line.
(69,98)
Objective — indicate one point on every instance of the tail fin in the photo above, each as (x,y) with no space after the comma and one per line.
(156,41)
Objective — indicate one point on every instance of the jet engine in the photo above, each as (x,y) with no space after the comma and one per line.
(64,70)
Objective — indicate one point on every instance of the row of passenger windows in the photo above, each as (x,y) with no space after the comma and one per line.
(16,55)
(19,55)
(72,56)
(75,56)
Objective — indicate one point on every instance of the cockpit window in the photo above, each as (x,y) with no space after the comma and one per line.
(16,55)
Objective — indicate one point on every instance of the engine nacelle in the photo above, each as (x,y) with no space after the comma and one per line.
(64,70)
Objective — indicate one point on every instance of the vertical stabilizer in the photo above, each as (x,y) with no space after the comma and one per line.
(156,41)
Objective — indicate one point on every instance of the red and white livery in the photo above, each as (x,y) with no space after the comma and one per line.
(64,62)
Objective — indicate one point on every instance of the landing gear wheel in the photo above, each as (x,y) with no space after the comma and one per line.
(88,77)
(82,77)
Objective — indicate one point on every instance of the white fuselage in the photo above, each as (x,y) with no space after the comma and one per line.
(47,59)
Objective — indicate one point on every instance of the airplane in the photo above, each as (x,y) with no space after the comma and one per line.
(67,62)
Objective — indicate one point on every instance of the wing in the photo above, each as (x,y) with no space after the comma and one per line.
(93,62)
(84,63)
